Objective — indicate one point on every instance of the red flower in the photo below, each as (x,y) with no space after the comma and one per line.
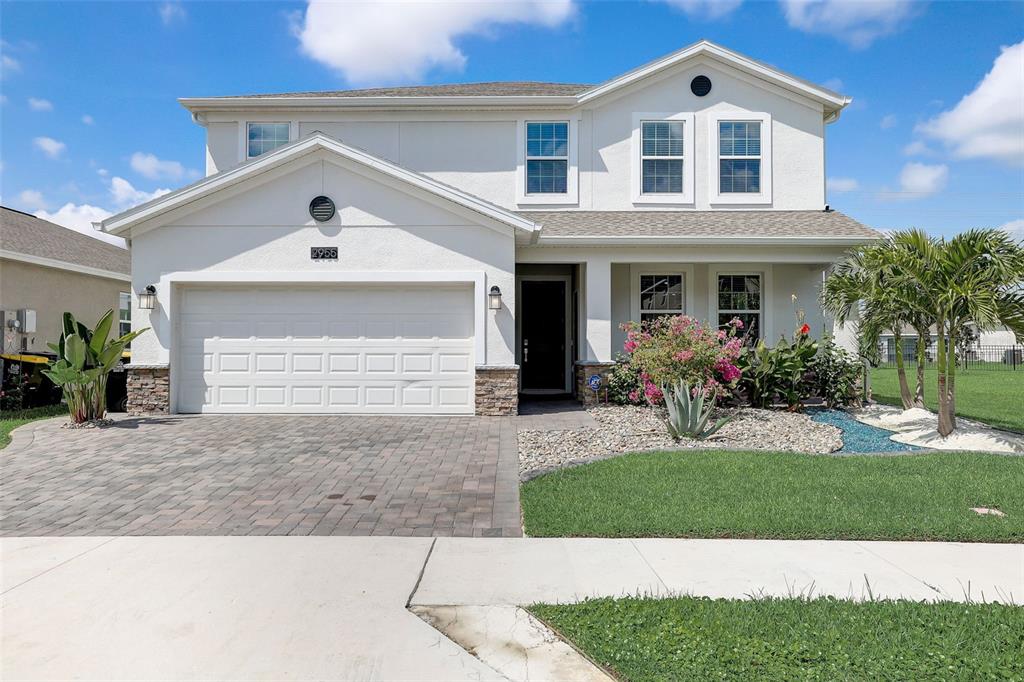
(806,329)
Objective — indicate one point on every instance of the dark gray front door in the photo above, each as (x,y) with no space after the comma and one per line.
(542,325)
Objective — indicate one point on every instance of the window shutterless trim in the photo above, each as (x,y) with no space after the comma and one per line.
(638,270)
(572,193)
(764,271)
(715,195)
(636,154)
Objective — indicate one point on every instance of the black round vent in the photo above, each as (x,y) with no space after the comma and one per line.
(322,209)
(700,86)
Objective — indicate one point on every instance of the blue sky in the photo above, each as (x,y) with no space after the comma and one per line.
(90,122)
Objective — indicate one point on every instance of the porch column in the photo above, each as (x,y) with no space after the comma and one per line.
(598,287)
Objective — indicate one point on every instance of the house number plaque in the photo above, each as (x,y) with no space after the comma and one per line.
(323,252)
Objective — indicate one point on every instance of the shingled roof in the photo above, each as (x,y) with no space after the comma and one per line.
(26,234)
(701,224)
(488,89)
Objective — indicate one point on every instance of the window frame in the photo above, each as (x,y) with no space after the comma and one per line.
(689,148)
(636,272)
(243,135)
(715,195)
(571,195)
(764,271)
(122,297)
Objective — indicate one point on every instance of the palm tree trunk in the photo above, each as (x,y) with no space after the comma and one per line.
(922,347)
(951,378)
(945,425)
(901,371)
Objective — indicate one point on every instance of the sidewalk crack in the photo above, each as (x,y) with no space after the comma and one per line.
(648,564)
(419,578)
(56,566)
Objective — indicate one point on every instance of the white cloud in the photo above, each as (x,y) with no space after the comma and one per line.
(32,200)
(1015,228)
(171,12)
(126,196)
(988,123)
(855,22)
(153,168)
(888,121)
(49,146)
(392,41)
(80,217)
(9,64)
(706,9)
(102,172)
(87,119)
(843,184)
(917,148)
(834,84)
(919,180)
(37,104)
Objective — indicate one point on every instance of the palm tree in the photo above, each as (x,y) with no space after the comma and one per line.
(866,279)
(975,277)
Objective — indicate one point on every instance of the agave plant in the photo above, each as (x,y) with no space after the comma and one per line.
(690,410)
(85,358)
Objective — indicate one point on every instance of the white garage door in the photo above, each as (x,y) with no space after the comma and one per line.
(338,349)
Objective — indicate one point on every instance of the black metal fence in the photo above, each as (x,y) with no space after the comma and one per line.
(982,357)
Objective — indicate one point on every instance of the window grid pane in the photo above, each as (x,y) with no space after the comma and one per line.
(739,138)
(662,138)
(264,137)
(739,176)
(547,139)
(662,176)
(546,177)
(662,293)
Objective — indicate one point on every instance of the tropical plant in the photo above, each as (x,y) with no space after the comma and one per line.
(676,348)
(778,372)
(837,375)
(85,358)
(975,278)
(689,410)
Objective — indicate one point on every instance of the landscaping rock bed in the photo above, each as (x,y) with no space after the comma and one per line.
(627,428)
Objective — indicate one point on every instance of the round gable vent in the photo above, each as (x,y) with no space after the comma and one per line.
(322,209)
(700,86)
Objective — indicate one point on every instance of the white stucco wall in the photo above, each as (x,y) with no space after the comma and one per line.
(478,150)
(265,229)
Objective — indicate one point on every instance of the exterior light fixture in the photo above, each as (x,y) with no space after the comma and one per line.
(147,299)
(494,302)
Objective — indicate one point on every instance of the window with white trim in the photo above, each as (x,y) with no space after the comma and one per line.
(124,313)
(661,157)
(264,137)
(740,296)
(660,295)
(739,157)
(547,157)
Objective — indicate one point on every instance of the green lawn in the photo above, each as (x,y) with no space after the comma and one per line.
(12,420)
(991,396)
(690,638)
(720,494)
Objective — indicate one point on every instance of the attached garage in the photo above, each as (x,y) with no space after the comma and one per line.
(346,348)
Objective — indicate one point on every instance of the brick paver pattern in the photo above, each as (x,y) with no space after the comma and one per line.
(264,475)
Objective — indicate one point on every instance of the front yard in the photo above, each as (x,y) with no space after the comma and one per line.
(690,638)
(12,420)
(990,396)
(728,494)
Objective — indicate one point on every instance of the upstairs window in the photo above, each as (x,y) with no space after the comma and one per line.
(661,155)
(547,157)
(264,137)
(739,157)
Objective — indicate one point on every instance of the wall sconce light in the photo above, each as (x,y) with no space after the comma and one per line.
(147,300)
(494,298)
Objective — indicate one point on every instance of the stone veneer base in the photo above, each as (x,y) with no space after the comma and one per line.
(497,390)
(149,389)
(586,369)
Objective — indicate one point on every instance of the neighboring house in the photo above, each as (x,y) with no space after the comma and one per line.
(341,254)
(47,270)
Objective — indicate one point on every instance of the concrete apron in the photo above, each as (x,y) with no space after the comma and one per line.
(337,607)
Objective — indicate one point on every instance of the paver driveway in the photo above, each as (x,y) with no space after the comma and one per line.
(263,475)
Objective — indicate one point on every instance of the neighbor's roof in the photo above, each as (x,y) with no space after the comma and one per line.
(640,227)
(488,89)
(27,238)
(527,93)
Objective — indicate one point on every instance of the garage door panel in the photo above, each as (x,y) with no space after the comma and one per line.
(341,349)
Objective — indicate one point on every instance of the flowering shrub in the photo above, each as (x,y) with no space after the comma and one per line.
(676,349)
(624,385)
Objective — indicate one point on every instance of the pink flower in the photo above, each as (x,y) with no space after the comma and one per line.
(737,323)
(728,371)
(652,392)
(634,396)
(630,346)
(721,335)
(684,355)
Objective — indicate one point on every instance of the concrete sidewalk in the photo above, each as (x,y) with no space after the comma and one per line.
(335,607)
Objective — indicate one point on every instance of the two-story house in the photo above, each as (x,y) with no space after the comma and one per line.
(440,249)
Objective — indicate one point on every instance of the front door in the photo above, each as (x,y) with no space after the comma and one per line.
(544,339)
